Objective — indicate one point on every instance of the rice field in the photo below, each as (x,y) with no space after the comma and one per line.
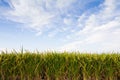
(59,66)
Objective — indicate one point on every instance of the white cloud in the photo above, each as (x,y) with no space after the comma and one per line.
(39,33)
(89,31)
(61,4)
(52,34)
(36,14)
(71,46)
(67,21)
(29,13)
(101,30)
(42,14)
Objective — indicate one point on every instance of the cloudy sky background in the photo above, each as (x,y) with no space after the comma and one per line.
(72,25)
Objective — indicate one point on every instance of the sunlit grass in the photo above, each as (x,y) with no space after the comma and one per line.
(54,66)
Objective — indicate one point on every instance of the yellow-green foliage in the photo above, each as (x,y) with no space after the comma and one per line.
(59,66)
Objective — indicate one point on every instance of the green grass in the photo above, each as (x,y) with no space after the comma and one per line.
(59,66)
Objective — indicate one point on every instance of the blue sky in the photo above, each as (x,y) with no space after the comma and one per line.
(71,25)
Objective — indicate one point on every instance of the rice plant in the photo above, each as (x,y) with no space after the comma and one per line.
(59,66)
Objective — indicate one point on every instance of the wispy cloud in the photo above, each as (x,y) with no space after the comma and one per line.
(82,25)
(37,14)
(44,14)
(101,30)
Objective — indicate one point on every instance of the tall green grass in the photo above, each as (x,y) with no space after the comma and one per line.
(59,66)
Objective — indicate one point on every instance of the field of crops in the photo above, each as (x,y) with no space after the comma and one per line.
(59,66)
